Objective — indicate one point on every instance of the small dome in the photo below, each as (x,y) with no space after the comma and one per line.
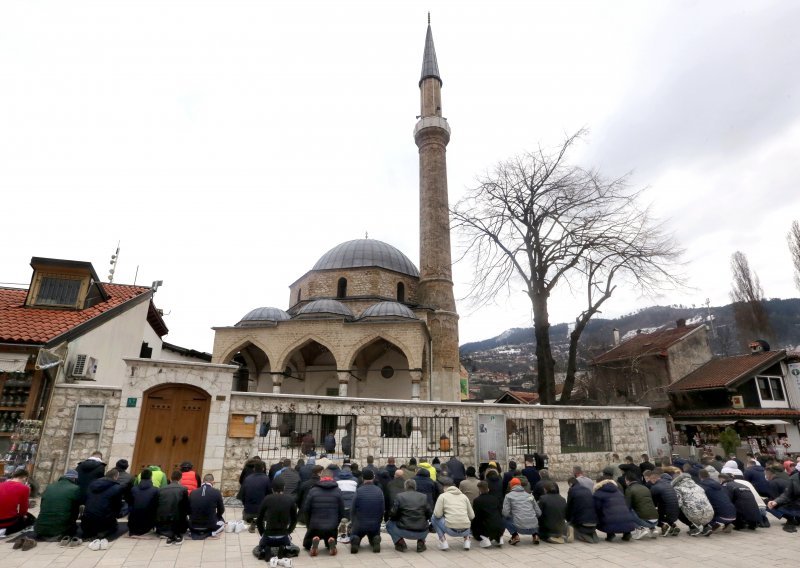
(388,310)
(259,315)
(366,252)
(326,307)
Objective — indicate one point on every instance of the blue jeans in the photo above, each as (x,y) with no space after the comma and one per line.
(441,528)
(641,522)
(512,528)
(781,512)
(397,533)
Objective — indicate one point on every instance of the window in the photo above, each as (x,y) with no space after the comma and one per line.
(524,435)
(770,390)
(89,419)
(401,292)
(585,435)
(436,436)
(58,291)
(295,435)
(341,288)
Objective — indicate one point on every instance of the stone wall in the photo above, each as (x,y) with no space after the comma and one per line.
(360,282)
(52,459)
(628,428)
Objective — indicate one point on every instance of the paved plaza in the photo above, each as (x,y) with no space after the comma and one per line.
(744,548)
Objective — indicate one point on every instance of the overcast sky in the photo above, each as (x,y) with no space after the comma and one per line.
(228,145)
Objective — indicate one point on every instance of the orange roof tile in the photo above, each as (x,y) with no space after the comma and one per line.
(718,373)
(20,324)
(644,344)
(522,396)
(735,412)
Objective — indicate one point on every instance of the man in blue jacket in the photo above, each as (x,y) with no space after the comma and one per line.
(367,514)
(724,511)
(581,513)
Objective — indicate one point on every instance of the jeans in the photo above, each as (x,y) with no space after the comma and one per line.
(641,522)
(397,533)
(512,528)
(440,525)
(780,512)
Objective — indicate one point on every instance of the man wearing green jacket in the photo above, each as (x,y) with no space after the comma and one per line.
(59,508)
(159,478)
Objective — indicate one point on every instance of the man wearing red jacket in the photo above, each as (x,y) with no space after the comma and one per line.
(14,495)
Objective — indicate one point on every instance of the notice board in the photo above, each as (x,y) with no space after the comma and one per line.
(491,438)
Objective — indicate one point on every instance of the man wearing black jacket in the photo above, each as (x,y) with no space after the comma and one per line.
(173,508)
(205,510)
(581,513)
(90,470)
(787,504)
(367,513)
(254,489)
(324,509)
(409,518)
(666,501)
(276,520)
(488,525)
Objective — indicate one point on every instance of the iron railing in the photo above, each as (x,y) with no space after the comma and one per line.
(524,436)
(293,435)
(585,435)
(424,437)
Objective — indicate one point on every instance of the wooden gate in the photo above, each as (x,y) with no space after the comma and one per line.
(172,428)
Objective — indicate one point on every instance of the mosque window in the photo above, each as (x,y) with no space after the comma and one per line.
(341,288)
(401,292)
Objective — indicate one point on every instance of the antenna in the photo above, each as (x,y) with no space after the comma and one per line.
(113,263)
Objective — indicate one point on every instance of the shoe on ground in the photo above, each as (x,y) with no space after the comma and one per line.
(238,527)
(421,546)
(285,562)
(251,528)
(27,544)
(401,546)
(18,543)
(65,540)
(332,546)
(485,543)
(442,544)
(610,537)
(676,530)
(95,544)
(536,539)
(230,526)
(467,543)
(178,539)
(514,540)
(555,540)
(375,541)
(103,544)
(314,550)
(655,533)
(694,531)
(273,561)
(790,528)
(639,533)
(665,529)
(584,537)
(627,536)
(707,530)
(74,541)
(500,542)
(354,546)
(3,532)
(170,541)
(570,533)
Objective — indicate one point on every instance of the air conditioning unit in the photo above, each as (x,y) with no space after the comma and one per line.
(84,367)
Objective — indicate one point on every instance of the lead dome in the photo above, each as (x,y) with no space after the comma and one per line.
(265,314)
(360,253)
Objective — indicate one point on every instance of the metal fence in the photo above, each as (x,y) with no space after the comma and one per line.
(433,437)
(524,436)
(292,435)
(585,435)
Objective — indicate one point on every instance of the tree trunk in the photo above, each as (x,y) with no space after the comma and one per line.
(545,364)
(572,363)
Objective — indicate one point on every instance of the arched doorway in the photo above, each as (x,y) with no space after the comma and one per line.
(172,428)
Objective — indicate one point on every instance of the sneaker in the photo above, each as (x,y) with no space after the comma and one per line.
(332,546)
(95,544)
(178,539)
(64,541)
(639,533)
(421,546)
(467,543)
(103,544)
(555,540)
(273,561)
(570,533)
(665,529)
(627,537)
(3,532)
(676,530)
(595,537)
(170,541)
(442,544)
(354,546)
(584,537)
(514,540)
(707,530)
(230,526)
(485,543)
(375,541)
(314,550)
(787,527)
(536,539)
(500,542)
(401,546)
(694,531)
(285,562)
(654,533)
(238,527)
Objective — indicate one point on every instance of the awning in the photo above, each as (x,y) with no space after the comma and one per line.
(766,422)
(720,422)
(13,362)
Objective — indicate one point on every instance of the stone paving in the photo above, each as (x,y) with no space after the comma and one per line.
(744,548)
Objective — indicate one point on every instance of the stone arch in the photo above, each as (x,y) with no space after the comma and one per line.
(357,347)
(285,356)
(228,355)
(254,359)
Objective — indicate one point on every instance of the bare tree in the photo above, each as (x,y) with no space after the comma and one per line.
(794,248)
(747,295)
(546,223)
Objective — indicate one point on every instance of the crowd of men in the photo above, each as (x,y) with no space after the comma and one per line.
(342,504)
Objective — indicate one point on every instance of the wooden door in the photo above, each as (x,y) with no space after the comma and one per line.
(172,428)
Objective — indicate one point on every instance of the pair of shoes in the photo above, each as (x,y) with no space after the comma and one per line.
(314,546)
(536,539)
(95,544)
(24,543)
(332,546)
(174,540)
(442,543)
(467,543)
(375,541)
(514,540)
(421,547)
(639,533)
(694,531)
(485,543)
(555,540)
(74,541)
(401,546)
(707,530)
(570,533)
(238,527)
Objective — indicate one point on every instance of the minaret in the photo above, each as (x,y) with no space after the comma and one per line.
(435,290)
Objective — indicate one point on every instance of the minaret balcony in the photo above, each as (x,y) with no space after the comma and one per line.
(431,122)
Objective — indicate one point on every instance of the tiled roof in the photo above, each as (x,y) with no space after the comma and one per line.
(735,412)
(522,397)
(20,324)
(719,373)
(645,344)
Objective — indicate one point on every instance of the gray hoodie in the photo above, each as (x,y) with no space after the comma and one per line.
(521,508)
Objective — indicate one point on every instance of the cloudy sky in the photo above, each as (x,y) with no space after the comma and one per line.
(228,145)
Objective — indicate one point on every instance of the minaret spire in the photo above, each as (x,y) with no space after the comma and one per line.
(435,290)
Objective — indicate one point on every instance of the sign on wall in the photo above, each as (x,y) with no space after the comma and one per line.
(658,437)
(492,438)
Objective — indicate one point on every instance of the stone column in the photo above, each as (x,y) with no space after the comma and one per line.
(416,379)
(344,380)
(277,382)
